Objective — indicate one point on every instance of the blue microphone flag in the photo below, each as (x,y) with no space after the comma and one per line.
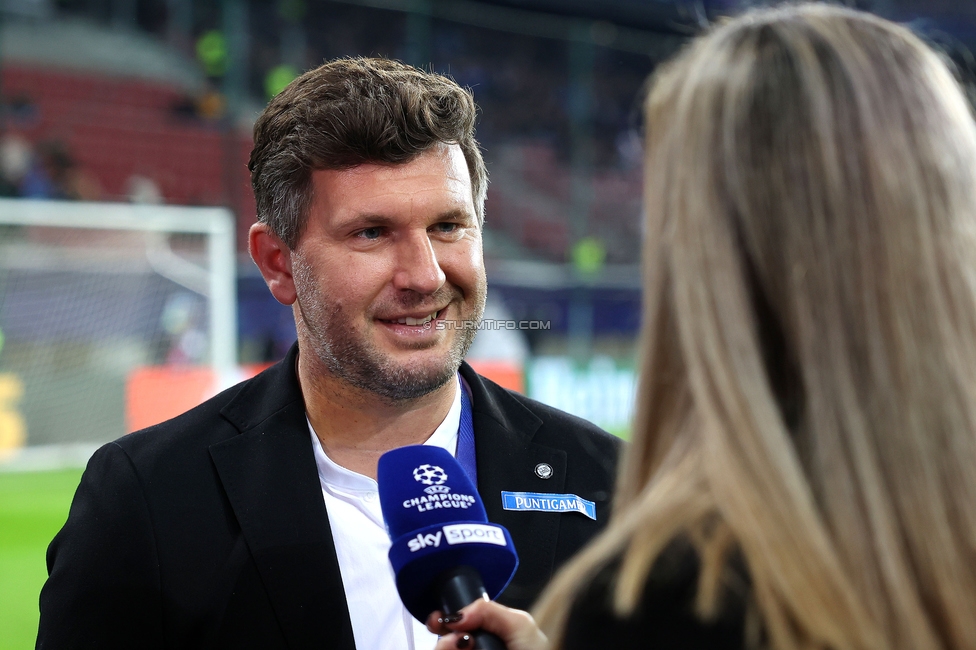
(437,521)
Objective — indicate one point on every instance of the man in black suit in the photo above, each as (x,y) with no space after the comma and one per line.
(251,520)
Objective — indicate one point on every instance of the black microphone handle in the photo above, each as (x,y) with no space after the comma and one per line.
(458,588)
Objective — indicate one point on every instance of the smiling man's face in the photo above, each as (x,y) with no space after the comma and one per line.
(387,253)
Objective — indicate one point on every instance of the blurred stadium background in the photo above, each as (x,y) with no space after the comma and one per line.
(126,293)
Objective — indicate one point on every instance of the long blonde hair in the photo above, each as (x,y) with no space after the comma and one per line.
(808,363)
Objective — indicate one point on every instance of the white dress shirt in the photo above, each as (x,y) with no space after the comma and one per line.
(379,619)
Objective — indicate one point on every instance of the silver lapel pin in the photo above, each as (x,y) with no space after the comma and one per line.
(543,470)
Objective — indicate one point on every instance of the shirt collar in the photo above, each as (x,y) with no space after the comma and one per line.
(331,473)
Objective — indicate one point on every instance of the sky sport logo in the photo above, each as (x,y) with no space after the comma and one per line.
(423,541)
(467,533)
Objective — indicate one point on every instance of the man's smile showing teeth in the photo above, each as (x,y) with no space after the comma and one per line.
(409,320)
(418,321)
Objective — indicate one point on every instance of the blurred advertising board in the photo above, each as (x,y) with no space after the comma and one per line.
(600,390)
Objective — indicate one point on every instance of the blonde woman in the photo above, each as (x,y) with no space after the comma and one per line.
(803,465)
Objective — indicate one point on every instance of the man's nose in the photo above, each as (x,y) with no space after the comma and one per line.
(417,266)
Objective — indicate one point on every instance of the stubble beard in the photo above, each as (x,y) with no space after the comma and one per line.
(348,355)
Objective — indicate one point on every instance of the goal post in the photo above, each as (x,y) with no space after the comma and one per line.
(90,293)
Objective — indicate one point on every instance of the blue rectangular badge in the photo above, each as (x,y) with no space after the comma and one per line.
(542,502)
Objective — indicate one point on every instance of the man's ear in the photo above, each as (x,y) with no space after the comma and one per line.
(273,258)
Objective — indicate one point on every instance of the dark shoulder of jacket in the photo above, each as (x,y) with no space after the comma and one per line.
(200,419)
(200,426)
(563,430)
(665,617)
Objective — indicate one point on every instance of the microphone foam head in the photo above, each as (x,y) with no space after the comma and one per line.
(422,485)
(437,521)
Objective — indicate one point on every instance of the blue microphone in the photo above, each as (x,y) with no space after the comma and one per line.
(445,553)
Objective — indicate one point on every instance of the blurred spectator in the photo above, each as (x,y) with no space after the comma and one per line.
(144,190)
(15,163)
(211,105)
(182,321)
(208,106)
(21,111)
(55,174)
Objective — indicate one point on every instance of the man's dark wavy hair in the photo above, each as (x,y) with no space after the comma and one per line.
(349,112)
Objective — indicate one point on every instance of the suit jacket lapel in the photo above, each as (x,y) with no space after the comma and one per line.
(269,475)
(507,459)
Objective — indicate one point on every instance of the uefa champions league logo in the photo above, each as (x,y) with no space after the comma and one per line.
(432,476)
(440,495)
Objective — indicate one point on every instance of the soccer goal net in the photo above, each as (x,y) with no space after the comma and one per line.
(111,316)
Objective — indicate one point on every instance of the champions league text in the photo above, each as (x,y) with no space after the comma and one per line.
(423,504)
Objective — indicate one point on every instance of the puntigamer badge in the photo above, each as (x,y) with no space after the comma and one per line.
(543,502)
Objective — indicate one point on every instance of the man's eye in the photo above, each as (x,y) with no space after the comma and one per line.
(446,227)
(370,233)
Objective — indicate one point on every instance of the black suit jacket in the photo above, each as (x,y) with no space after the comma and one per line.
(210,530)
